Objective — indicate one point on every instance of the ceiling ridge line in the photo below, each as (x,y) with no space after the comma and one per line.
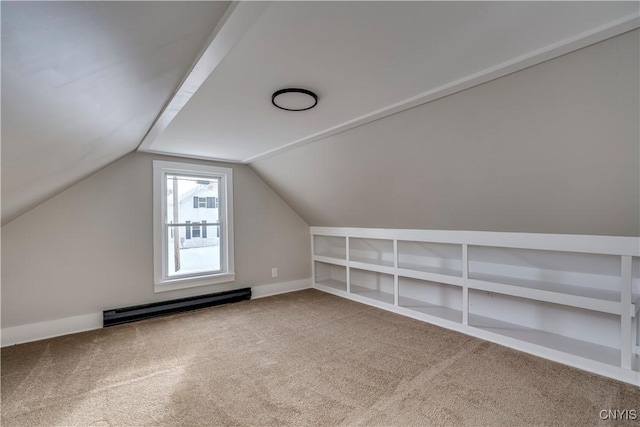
(538,56)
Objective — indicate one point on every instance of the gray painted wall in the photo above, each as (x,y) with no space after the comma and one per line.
(90,248)
(551,149)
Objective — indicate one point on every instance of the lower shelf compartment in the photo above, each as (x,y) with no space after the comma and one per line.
(333,284)
(599,353)
(372,293)
(431,309)
(371,284)
(432,298)
(331,276)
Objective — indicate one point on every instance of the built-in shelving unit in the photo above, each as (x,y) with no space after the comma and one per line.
(569,298)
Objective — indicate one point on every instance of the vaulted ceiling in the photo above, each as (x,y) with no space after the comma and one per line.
(84,83)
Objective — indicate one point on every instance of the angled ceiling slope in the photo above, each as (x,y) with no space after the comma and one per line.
(82,82)
(367,60)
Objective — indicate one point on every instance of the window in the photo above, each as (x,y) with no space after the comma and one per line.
(195,232)
(205,202)
(193,225)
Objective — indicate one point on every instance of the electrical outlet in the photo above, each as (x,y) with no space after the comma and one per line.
(274,272)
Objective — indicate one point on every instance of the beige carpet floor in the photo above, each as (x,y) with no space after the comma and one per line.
(304,358)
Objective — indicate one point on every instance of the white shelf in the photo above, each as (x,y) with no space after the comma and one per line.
(329,257)
(434,270)
(541,291)
(379,268)
(373,294)
(582,291)
(330,260)
(432,277)
(430,309)
(599,353)
(371,262)
(333,284)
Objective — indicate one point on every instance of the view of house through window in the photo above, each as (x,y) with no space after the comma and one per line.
(193,225)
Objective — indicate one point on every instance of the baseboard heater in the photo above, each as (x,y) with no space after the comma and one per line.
(134,313)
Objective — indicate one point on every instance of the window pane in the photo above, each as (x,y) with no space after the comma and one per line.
(199,253)
(188,195)
(193,225)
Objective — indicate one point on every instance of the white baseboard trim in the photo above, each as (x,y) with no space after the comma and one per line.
(279,288)
(86,322)
(49,329)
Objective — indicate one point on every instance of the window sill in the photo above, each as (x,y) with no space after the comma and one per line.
(192,282)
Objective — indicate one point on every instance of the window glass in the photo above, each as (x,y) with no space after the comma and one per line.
(195,231)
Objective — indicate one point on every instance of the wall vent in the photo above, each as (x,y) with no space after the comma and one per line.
(146,311)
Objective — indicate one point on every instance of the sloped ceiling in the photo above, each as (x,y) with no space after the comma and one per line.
(82,82)
(364,59)
(554,148)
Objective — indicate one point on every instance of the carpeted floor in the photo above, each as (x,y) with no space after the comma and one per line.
(304,358)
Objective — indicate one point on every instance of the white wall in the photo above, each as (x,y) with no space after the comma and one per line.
(552,149)
(90,248)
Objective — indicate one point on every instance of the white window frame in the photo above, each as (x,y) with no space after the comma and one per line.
(164,282)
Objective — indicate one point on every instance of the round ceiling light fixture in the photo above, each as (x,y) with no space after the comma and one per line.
(294,99)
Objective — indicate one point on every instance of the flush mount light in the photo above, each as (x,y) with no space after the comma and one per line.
(294,99)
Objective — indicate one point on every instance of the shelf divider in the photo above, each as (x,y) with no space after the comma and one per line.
(348,257)
(465,285)
(627,313)
(330,260)
(396,286)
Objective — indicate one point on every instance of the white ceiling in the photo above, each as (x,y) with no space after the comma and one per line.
(84,82)
(366,60)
